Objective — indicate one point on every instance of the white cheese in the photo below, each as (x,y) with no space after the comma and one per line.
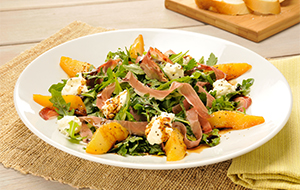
(113,105)
(75,86)
(160,128)
(173,71)
(223,87)
(63,124)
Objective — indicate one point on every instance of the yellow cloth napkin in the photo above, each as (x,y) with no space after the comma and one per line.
(276,164)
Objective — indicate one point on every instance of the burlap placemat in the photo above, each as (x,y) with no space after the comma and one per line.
(22,150)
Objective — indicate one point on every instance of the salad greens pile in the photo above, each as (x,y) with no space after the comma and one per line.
(146,106)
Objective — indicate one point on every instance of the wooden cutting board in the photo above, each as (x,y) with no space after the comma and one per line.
(251,26)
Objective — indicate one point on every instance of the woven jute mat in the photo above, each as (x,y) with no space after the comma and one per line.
(21,150)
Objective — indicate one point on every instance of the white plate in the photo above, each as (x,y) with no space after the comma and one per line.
(270,93)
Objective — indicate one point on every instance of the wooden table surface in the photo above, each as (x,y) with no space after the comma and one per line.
(24,23)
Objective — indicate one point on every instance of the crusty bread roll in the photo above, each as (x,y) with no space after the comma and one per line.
(241,7)
(264,6)
(230,7)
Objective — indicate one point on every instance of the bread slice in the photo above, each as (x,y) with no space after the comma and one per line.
(230,7)
(264,6)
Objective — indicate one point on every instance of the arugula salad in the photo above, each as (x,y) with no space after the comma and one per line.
(148,102)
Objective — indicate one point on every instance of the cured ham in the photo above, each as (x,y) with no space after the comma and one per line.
(169,53)
(206,127)
(151,68)
(158,56)
(112,63)
(193,118)
(244,102)
(104,95)
(136,116)
(184,89)
(209,97)
(47,113)
(176,109)
(85,132)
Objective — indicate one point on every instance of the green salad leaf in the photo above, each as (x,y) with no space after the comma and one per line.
(177,58)
(212,138)
(191,64)
(118,54)
(58,86)
(212,60)
(134,68)
(124,113)
(222,104)
(136,146)
(58,101)
(72,130)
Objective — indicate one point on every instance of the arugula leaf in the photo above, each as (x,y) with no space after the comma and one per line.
(107,80)
(146,106)
(110,78)
(136,146)
(72,130)
(225,103)
(245,87)
(58,101)
(90,105)
(121,115)
(121,71)
(241,89)
(175,58)
(92,94)
(191,64)
(115,55)
(196,76)
(134,68)
(212,60)
(222,104)
(58,86)
(118,88)
(203,97)
(201,60)
(167,84)
(212,138)
(153,83)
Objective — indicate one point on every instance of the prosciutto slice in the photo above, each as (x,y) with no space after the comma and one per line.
(209,97)
(169,53)
(150,67)
(244,102)
(85,131)
(176,109)
(47,114)
(206,127)
(112,63)
(192,117)
(104,95)
(184,89)
(158,55)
